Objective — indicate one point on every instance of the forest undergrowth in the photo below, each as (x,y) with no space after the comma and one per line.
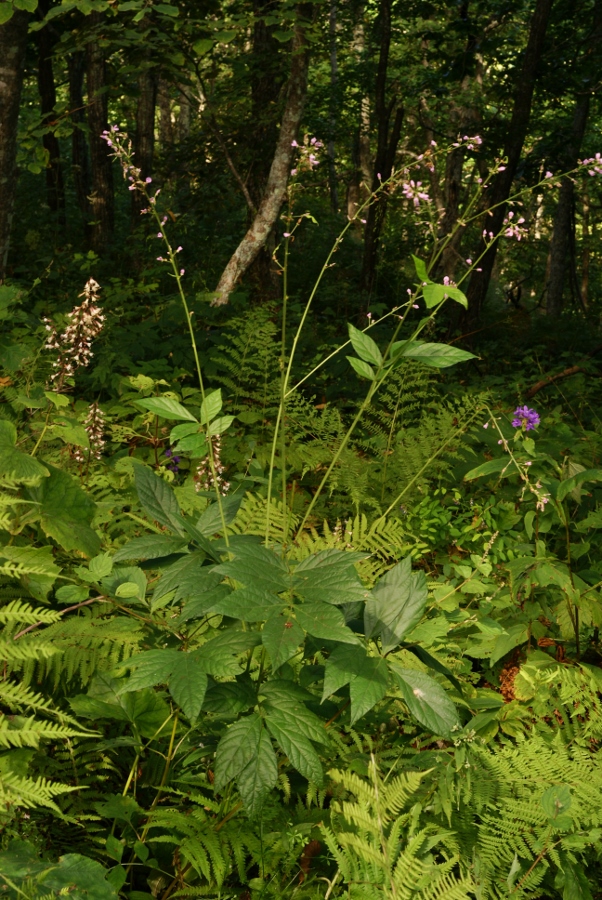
(291,607)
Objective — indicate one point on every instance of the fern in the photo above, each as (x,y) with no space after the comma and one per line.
(379,852)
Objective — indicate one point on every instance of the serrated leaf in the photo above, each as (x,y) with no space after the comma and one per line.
(288,699)
(323,620)
(259,776)
(236,749)
(367,677)
(199,606)
(167,408)
(12,461)
(397,604)
(188,577)
(149,668)
(66,511)
(329,577)
(364,346)
(295,745)
(362,368)
(258,568)
(220,656)
(157,498)
(281,636)
(187,685)
(229,698)
(426,700)
(210,521)
(556,800)
(248,604)
(151,546)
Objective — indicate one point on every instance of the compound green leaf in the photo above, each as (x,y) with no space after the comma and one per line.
(210,521)
(439,356)
(249,605)
(259,776)
(362,368)
(503,464)
(211,406)
(151,546)
(569,484)
(66,512)
(367,677)
(187,685)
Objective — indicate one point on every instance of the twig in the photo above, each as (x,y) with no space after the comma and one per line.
(62,613)
(572,370)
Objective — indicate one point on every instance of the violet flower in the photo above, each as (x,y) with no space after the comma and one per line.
(525,418)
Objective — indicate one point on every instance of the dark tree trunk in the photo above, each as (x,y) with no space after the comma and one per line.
(334,78)
(386,147)
(101,197)
(144,140)
(361,180)
(13,41)
(517,131)
(267,82)
(80,164)
(562,232)
(165,124)
(275,189)
(55,188)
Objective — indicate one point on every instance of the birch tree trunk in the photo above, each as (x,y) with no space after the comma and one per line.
(275,190)
(13,41)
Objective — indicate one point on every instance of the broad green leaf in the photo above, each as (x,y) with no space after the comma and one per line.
(195,445)
(425,657)
(221,655)
(218,426)
(150,667)
(6,11)
(66,512)
(329,577)
(569,484)
(167,408)
(281,636)
(367,677)
(456,294)
(576,882)
(187,685)
(202,47)
(211,406)
(157,498)
(188,577)
(556,800)
(439,356)
(13,462)
(397,604)
(420,267)
(210,522)
(225,37)
(151,546)
(229,698)
(288,699)
(259,776)
(364,346)
(125,575)
(295,745)
(433,294)
(249,604)
(426,700)
(362,368)
(502,464)
(516,635)
(258,569)
(199,606)
(36,560)
(182,431)
(79,877)
(323,620)
(236,749)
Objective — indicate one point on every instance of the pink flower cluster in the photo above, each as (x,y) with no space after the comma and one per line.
(413,191)
(594,164)
(308,154)
(95,428)
(514,229)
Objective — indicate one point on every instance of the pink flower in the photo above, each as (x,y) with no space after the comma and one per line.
(549,175)
(182,271)
(286,234)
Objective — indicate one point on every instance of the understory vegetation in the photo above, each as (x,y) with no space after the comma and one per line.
(300,575)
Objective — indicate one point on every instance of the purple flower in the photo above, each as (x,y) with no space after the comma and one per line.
(525,417)
(169,452)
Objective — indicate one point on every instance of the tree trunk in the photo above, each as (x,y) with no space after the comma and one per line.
(166,134)
(55,188)
(334,78)
(275,190)
(80,164)
(361,181)
(183,123)
(517,131)
(563,217)
(585,253)
(387,141)
(101,197)
(144,139)
(13,42)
